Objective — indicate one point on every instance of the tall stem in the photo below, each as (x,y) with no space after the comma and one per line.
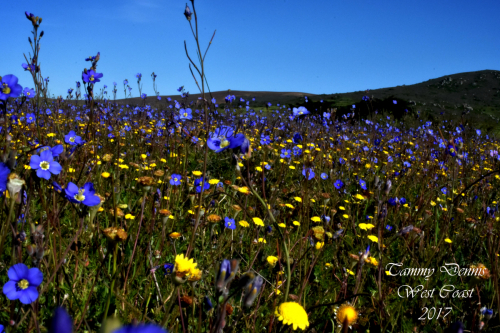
(115,255)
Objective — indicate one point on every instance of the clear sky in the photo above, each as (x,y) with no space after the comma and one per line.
(316,46)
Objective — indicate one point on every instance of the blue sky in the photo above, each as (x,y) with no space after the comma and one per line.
(280,45)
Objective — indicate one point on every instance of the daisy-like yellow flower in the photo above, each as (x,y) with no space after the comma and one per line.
(144,156)
(282,225)
(197,173)
(359,197)
(345,216)
(244,224)
(297,223)
(129,217)
(184,266)
(447,240)
(123,166)
(244,190)
(373,238)
(195,275)
(262,240)
(258,221)
(51,135)
(213,181)
(272,260)
(346,314)
(372,261)
(289,206)
(319,245)
(105,174)
(292,313)
(366,226)
(298,199)
(175,235)
(349,271)
(316,219)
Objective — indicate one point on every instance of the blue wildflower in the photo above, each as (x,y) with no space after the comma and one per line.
(23,283)
(229,223)
(45,165)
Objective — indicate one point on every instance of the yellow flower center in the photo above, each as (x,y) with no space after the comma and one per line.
(347,313)
(6,89)
(185,114)
(224,143)
(28,93)
(91,78)
(23,284)
(72,139)
(80,197)
(45,165)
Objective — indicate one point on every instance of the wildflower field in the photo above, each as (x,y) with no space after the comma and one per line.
(214,216)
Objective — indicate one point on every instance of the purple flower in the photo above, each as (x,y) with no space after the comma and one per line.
(168,268)
(72,139)
(185,114)
(9,87)
(286,153)
(142,328)
(29,93)
(362,183)
(91,77)
(56,150)
(324,176)
(229,223)
(175,179)
(23,283)
(61,321)
(143,96)
(4,173)
(297,138)
(222,138)
(199,182)
(338,184)
(85,195)
(45,165)
(308,172)
(300,111)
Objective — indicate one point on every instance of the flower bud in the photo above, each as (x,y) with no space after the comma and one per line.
(188,13)
(14,184)
(252,290)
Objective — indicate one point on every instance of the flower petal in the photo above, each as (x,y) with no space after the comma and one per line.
(34,277)
(10,291)
(35,162)
(29,295)
(18,272)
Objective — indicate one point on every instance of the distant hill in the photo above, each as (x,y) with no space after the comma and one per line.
(479,92)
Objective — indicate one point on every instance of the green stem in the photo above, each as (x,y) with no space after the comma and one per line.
(167,313)
(6,225)
(115,255)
